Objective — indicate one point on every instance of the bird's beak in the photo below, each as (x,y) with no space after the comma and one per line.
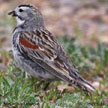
(13,13)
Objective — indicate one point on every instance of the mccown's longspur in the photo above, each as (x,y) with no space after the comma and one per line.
(39,53)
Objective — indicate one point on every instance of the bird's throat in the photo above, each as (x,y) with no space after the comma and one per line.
(19,21)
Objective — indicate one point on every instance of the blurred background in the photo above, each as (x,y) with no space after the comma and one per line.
(82,21)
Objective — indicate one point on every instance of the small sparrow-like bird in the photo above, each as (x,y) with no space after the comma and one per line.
(39,53)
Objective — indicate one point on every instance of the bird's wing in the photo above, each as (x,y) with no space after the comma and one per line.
(43,48)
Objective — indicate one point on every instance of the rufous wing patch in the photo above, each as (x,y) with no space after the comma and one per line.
(27,44)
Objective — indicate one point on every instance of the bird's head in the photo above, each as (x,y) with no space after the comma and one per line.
(25,13)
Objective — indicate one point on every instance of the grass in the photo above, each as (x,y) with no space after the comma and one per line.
(19,90)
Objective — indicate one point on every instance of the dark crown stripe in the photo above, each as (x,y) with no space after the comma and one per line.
(25,6)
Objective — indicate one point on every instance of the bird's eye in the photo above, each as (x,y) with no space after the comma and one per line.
(21,10)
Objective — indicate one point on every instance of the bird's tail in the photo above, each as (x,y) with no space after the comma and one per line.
(82,84)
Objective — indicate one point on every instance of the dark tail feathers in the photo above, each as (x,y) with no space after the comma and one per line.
(82,84)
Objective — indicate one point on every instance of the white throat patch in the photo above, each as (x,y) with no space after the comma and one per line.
(19,21)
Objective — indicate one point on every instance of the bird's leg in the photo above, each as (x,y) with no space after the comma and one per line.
(42,81)
(46,86)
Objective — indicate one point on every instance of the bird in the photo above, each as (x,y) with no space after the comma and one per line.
(38,51)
